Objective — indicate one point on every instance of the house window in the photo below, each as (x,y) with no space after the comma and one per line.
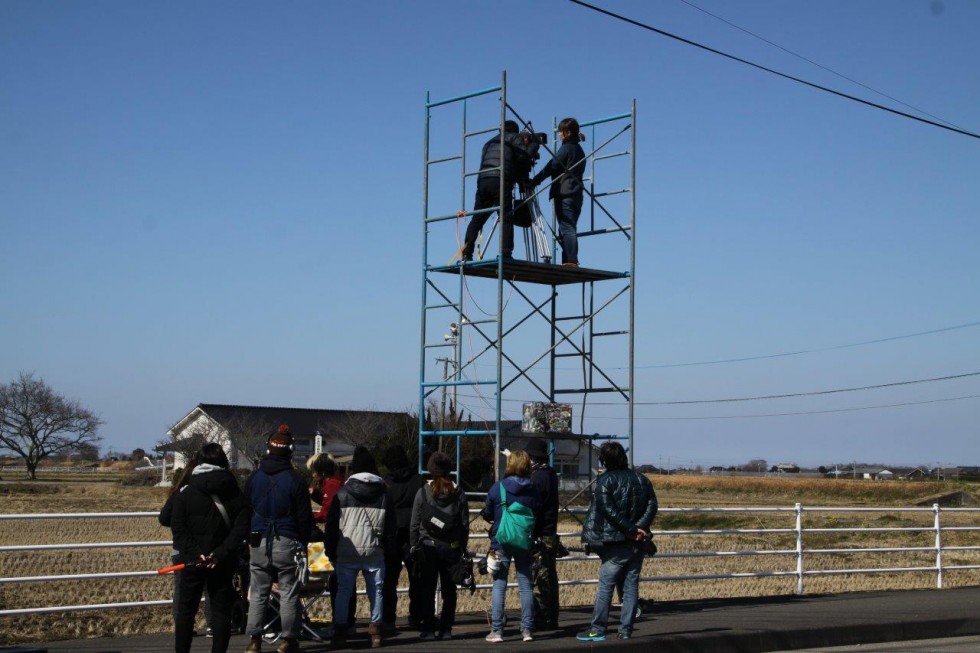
(567,469)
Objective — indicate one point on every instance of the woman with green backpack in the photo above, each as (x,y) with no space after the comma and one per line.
(511,505)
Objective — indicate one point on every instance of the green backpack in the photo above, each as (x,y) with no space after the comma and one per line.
(516,524)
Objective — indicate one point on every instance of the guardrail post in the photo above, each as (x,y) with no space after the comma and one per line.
(799,549)
(939,546)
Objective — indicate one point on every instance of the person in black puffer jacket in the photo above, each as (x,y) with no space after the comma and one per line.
(210,523)
(404,482)
(514,161)
(441,527)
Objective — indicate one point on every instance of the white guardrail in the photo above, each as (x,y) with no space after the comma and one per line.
(798,553)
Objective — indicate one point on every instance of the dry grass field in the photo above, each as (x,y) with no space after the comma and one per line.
(673,492)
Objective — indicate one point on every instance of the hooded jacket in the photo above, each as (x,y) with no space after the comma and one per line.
(280,500)
(453,505)
(197,524)
(403,485)
(518,489)
(623,501)
(360,526)
(515,161)
(543,477)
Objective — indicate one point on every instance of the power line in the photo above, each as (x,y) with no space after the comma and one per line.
(780,396)
(811,351)
(798,394)
(814,63)
(806,412)
(810,412)
(770,70)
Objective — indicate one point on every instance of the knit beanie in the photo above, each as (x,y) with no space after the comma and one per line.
(537,449)
(362,461)
(395,458)
(281,442)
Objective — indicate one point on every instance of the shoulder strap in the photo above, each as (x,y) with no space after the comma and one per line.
(503,495)
(221,509)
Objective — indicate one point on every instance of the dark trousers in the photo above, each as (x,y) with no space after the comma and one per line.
(193,582)
(393,570)
(487,193)
(439,561)
(545,585)
(567,210)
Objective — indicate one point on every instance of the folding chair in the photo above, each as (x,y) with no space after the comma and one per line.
(313,569)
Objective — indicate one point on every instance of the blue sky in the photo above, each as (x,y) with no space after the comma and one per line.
(221,202)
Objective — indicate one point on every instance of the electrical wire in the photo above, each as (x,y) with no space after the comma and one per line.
(800,394)
(779,396)
(804,412)
(814,63)
(811,351)
(846,96)
(810,412)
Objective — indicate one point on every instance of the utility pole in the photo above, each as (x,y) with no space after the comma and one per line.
(450,339)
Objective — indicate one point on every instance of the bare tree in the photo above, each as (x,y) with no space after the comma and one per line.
(249,434)
(36,422)
(359,428)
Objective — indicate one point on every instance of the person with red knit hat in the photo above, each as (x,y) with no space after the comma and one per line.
(282,522)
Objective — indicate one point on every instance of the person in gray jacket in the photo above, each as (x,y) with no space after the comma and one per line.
(359,533)
(617,525)
(440,529)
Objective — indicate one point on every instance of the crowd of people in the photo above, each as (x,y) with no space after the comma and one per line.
(375,526)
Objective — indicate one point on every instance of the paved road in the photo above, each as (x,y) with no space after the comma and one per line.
(716,625)
(944,645)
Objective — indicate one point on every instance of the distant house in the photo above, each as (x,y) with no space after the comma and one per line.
(573,461)
(304,423)
(884,475)
(786,468)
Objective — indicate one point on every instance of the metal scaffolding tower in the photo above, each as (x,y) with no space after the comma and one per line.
(499,332)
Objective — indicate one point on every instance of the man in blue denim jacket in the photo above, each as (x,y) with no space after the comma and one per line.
(616,527)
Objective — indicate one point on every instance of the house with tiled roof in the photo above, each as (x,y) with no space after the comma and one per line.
(218,421)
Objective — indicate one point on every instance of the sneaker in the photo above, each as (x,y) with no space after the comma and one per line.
(527,635)
(591,635)
(444,635)
(494,637)
(209,633)
(622,635)
(426,635)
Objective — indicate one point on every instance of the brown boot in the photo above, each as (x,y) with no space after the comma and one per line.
(254,644)
(374,630)
(288,645)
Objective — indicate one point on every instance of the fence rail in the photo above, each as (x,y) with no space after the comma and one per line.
(800,553)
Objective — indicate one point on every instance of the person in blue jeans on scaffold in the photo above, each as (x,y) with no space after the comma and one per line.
(565,170)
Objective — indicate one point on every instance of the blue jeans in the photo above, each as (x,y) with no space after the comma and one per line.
(522,564)
(374,582)
(264,571)
(567,210)
(619,559)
